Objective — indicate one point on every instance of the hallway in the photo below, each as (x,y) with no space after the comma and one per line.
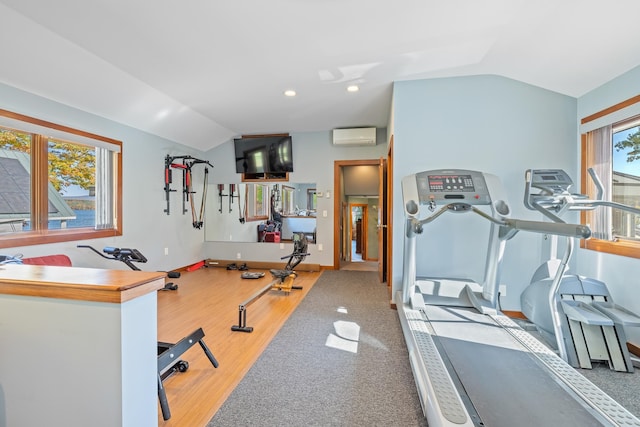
(357,264)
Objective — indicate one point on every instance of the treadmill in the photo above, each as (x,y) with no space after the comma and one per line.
(474,366)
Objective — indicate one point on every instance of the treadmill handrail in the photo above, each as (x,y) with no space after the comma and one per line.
(560,229)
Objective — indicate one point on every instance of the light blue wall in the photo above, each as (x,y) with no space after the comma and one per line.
(486,123)
(313,158)
(146,226)
(621,274)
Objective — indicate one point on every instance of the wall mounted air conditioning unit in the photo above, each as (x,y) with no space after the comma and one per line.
(354,136)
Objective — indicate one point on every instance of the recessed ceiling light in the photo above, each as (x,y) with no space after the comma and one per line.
(353,88)
(289,92)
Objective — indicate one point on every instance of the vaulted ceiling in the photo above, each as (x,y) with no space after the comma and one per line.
(199,72)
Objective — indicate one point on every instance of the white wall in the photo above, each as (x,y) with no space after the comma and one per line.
(146,226)
(618,272)
(485,123)
(80,362)
(313,162)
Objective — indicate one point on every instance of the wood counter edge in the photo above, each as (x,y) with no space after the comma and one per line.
(125,286)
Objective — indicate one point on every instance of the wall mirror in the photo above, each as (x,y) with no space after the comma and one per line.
(260,212)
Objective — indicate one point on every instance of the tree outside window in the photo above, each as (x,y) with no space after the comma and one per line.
(613,151)
(59,184)
(626,181)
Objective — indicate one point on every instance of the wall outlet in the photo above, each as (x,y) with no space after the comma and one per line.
(166,251)
(503,290)
(239,255)
(281,245)
(320,246)
(324,213)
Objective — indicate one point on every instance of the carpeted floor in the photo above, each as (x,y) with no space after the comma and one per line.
(623,387)
(340,360)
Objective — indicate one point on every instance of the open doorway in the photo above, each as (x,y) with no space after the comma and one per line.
(359,232)
(358,209)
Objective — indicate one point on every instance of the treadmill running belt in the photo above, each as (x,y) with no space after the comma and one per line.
(506,384)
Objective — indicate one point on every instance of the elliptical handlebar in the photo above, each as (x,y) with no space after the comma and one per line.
(124,255)
(94,250)
(596,181)
(131,254)
(557,197)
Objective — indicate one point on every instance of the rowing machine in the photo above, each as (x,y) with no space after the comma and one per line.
(283,281)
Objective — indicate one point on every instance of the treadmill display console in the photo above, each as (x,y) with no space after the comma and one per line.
(451,186)
(450,183)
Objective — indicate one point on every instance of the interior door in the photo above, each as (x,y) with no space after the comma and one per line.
(382,221)
(359,210)
(345,227)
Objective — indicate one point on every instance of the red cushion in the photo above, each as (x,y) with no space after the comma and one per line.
(61,260)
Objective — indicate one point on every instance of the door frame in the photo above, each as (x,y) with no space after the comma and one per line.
(388,206)
(338,230)
(365,221)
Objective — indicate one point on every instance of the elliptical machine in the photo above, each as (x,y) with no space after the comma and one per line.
(574,314)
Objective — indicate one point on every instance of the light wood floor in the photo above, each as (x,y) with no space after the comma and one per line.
(209,298)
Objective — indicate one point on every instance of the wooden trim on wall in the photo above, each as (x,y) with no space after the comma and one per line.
(44,123)
(389,213)
(514,314)
(612,109)
(633,349)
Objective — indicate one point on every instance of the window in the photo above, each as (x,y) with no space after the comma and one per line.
(611,146)
(58,184)
(312,200)
(258,197)
(288,203)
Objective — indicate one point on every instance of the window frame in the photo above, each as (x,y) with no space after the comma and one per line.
(312,200)
(252,199)
(40,234)
(623,247)
(287,200)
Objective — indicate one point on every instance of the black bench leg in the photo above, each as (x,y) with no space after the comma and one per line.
(164,403)
(210,356)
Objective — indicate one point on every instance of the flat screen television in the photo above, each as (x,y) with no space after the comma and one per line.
(263,155)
